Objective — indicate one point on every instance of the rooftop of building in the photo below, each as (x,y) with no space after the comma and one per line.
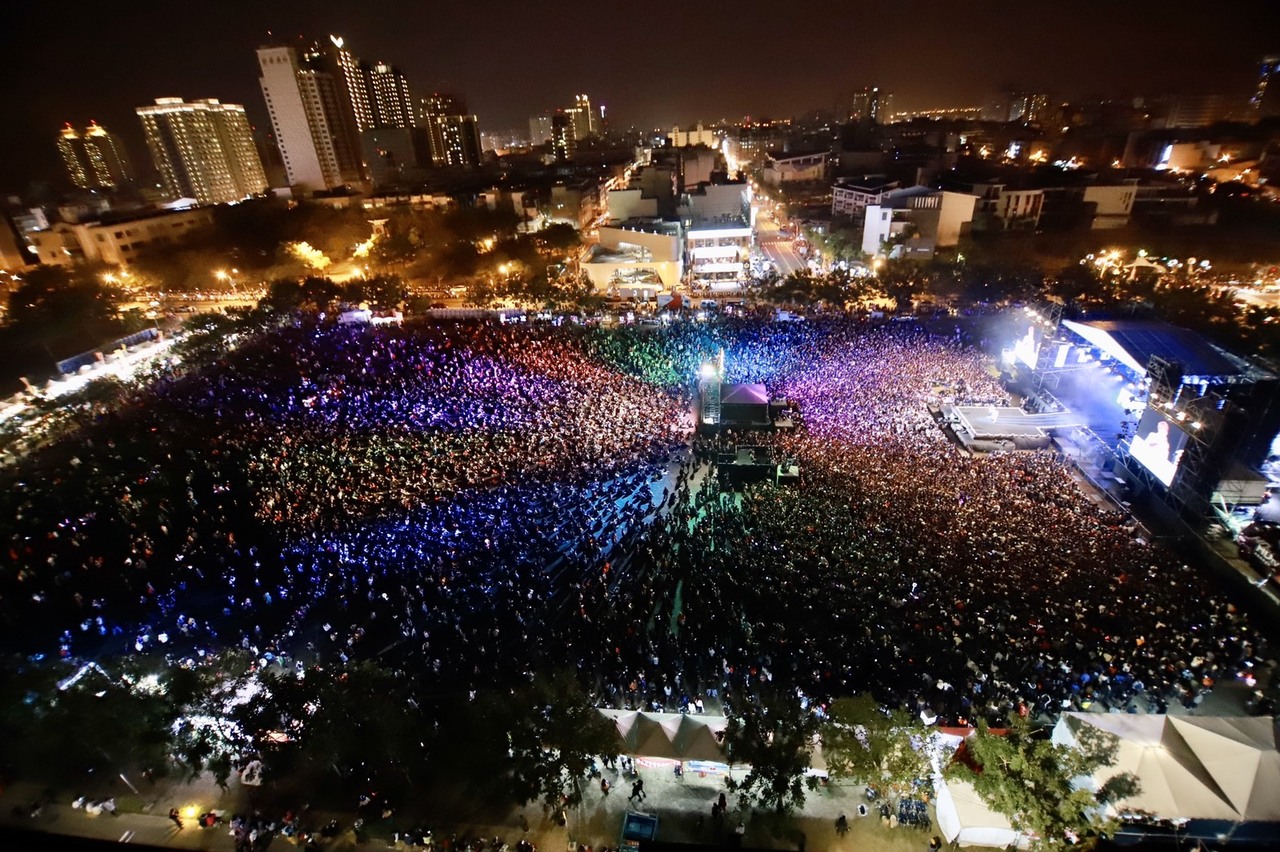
(800,154)
(700,188)
(648,226)
(600,254)
(867,183)
(718,223)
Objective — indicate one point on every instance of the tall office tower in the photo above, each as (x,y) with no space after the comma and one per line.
(539,129)
(564,143)
(355,79)
(389,91)
(312,116)
(1265,102)
(93,159)
(203,150)
(453,133)
(583,118)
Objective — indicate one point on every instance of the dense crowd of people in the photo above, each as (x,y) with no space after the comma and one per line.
(477,501)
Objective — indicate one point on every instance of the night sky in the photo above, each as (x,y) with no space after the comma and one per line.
(651,63)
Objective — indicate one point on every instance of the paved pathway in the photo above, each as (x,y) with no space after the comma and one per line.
(683,807)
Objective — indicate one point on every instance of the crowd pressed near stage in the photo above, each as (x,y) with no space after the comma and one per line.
(473,502)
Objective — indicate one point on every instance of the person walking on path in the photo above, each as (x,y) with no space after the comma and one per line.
(176,817)
(637,790)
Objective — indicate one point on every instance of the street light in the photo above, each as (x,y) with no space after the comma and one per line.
(227,277)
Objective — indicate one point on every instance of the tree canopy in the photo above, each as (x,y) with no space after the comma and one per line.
(1029,779)
(775,736)
(550,733)
(866,744)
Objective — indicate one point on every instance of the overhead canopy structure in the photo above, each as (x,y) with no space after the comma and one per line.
(966,820)
(698,738)
(1190,767)
(672,736)
(1133,342)
(747,394)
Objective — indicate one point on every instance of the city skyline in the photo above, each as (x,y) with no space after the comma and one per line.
(513,61)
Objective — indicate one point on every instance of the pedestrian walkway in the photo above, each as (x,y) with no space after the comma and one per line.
(683,806)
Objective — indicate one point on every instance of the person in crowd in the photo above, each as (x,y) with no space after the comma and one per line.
(474,502)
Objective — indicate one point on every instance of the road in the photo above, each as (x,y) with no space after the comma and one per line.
(780,251)
(1260,298)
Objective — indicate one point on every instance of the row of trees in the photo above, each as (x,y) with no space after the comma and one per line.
(332,730)
(365,726)
(1181,300)
(257,238)
(902,282)
(55,312)
(1019,772)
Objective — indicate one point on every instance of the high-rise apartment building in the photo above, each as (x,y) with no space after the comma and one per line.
(1022,107)
(1028,107)
(1199,110)
(564,142)
(378,91)
(441,104)
(540,129)
(312,115)
(584,120)
(355,79)
(453,133)
(94,159)
(455,140)
(870,106)
(389,94)
(1265,102)
(203,150)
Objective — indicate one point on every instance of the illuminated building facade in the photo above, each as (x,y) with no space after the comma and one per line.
(389,94)
(580,114)
(870,106)
(203,150)
(355,79)
(564,142)
(93,158)
(453,133)
(1266,97)
(312,115)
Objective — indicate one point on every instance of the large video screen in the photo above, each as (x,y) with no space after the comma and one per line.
(1028,346)
(1158,444)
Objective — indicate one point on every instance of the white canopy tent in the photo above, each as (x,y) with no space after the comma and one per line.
(670,736)
(963,818)
(966,820)
(1189,767)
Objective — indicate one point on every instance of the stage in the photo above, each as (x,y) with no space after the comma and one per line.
(989,428)
(743,465)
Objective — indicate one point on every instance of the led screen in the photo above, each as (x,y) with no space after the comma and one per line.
(1158,444)
(1028,346)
